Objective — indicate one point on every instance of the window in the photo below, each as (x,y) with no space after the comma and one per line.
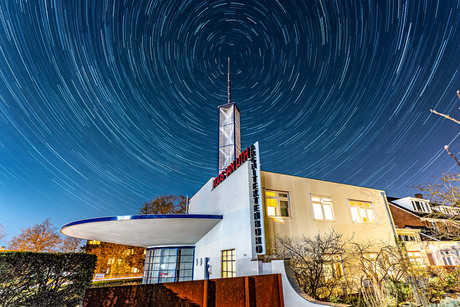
(277,203)
(420,206)
(362,212)
(433,225)
(322,208)
(94,242)
(333,267)
(415,257)
(369,264)
(407,238)
(228,263)
(168,265)
(447,257)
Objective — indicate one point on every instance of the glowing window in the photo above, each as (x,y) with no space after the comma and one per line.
(415,257)
(277,203)
(322,208)
(168,265)
(333,267)
(228,263)
(362,212)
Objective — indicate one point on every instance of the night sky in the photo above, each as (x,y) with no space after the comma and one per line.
(106,104)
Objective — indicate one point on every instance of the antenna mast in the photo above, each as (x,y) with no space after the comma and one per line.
(229,130)
(228,87)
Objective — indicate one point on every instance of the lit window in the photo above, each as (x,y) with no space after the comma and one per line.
(94,242)
(415,258)
(277,203)
(228,263)
(168,265)
(368,260)
(322,208)
(362,212)
(333,267)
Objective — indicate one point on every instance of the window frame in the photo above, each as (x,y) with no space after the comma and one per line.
(424,206)
(333,267)
(415,258)
(322,204)
(224,273)
(176,263)
(448,257)
(361,221)
(278,203)
(433,225)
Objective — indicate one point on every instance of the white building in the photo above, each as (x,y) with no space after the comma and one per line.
(233,219)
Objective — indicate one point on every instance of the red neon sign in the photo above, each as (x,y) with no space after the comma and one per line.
(243,157)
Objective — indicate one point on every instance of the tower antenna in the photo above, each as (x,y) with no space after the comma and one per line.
(228,87)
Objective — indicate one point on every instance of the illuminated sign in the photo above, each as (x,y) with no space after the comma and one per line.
(257,204)
(243,157)
(257,213)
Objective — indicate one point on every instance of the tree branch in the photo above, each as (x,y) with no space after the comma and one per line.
(445,116)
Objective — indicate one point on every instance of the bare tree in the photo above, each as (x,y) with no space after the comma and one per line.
(41,237)
(385,272)
(327,266)
(444,195)
(116,259)
(316,262)
(446,147)
(165,204)
(445,190)
(72,245)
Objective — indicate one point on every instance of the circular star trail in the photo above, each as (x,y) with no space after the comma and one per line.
(106,104)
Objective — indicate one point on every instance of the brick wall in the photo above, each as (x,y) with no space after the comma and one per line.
(249,291)
(403,218)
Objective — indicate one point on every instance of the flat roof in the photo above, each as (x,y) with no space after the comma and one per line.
(144,230)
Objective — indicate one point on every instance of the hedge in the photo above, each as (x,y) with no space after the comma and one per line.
(44,279)
(117,282)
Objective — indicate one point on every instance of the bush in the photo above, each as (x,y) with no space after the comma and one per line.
(118,282)
(44,279)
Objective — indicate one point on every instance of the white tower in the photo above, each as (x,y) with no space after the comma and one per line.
(229,130)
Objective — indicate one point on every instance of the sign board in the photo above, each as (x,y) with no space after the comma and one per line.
(257,207)
(250,154)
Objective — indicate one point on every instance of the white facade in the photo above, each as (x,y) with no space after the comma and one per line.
(232,199)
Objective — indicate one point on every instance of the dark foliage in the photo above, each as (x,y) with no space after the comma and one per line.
(44,279)
(165,204)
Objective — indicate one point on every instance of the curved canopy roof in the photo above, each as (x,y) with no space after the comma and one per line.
(144,230)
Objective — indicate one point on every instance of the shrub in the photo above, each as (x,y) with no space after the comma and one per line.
(118,282)
(44,279)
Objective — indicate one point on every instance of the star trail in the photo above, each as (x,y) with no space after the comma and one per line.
(106,104)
